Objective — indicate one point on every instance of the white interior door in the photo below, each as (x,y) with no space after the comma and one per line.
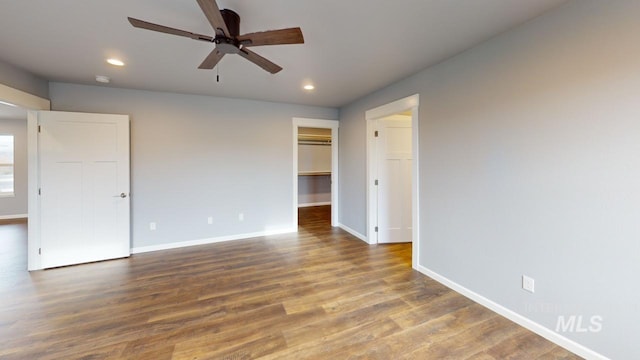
(84,185)
(394,179)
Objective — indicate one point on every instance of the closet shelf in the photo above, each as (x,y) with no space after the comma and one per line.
(313,173)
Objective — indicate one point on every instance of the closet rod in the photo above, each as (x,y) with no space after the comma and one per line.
(314,142)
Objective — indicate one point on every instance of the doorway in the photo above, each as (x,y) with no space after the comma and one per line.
(31,104)
(13,191)
(315,141)
(36,107)
(386,207)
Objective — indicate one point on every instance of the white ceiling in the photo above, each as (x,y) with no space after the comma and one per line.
(352,47)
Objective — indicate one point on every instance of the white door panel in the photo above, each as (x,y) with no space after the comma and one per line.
(394,181)
(84,167)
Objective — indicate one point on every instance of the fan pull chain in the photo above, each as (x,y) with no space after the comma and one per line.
(218,73)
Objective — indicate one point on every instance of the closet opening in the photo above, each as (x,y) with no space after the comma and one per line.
(315,177)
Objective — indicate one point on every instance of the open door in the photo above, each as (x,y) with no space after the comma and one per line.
(394,179)
(83,188)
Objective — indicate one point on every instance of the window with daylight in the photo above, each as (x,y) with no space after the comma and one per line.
(6,165)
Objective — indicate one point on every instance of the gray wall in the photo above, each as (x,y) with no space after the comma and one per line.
(352,165)
(530,164)
(20,79)
(196,156)
(16,205)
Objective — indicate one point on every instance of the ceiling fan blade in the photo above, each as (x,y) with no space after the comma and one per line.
(212,12)
(212,59)
(259,60)
(272,37)
(167,30)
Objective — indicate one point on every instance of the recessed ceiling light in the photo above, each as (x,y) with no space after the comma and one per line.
(309,87)
(103,79)
(115,62)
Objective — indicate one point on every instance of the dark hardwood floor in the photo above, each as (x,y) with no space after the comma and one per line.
(318,294)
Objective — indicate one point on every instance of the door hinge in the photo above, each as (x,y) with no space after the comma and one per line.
(376,183)
(375,133)
(39,251)
(39,191)
(39,128)
(376,229)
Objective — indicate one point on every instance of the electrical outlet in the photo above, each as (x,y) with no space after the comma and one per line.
(528,283)
(210,220)
(241,217)
(152,226)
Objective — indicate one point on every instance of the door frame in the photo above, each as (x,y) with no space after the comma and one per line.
(410,103)
(32,104)
(334,125)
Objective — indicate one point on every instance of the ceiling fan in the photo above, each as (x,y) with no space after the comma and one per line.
(227,39)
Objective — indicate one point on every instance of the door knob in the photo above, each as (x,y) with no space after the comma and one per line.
(122,195)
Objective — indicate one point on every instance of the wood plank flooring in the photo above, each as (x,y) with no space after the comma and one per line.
(318,294)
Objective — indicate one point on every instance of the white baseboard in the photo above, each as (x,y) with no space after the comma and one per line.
(181,244)
(525,322)
(353,232)
(11,217)
(315,204)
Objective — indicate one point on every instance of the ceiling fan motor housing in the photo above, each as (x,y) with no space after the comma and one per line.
(232,19)
(229,45)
